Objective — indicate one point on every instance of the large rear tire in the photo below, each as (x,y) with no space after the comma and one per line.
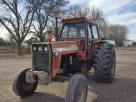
(77,89)
(20,86)
(105,63)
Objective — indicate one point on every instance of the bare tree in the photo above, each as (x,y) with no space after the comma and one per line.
(95,13)
(118,33)
(77,11)
(53,21)
(46,9)
(17,18)
(92,13)
(104,28)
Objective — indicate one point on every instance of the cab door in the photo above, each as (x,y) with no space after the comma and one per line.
(95,32)
(90,35)
(90,39)
(93,38)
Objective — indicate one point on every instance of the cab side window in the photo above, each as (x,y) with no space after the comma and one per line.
(95,32)
(89,32)
(64,32)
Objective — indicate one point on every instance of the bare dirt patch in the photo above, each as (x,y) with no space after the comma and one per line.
(123,89)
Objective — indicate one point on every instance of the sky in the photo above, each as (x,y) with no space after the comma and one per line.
(115,11)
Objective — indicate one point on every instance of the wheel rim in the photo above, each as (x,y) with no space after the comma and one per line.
(81,94)
(26,85)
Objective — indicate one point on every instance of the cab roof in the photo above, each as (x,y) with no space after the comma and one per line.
(73,20)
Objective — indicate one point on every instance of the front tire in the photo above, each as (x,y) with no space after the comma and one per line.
(104,63)
(20,86)
(77,89)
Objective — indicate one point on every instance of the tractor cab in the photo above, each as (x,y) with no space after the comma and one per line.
(79,28)
(82,30)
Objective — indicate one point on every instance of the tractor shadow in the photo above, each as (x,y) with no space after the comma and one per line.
(42,97)
(120,90)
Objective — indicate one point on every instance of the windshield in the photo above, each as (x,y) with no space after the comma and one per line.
(73,30)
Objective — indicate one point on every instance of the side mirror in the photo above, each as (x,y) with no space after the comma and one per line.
(103,38)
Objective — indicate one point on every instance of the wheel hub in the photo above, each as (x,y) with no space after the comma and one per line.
(26,85)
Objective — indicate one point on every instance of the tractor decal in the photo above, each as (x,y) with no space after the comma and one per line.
(73,47)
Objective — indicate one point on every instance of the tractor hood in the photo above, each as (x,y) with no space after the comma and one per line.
(47,55)
(64,47)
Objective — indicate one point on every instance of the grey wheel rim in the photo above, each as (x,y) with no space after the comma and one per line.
(81,94)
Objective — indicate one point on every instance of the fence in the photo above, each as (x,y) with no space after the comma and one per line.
(9,50)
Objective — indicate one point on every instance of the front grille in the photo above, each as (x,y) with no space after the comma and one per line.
(41,61)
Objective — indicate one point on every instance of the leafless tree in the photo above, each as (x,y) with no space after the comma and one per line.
(46,9)
(118,33)
(95,14)
(59,16)
(77,11)
(17,17)
(104,28)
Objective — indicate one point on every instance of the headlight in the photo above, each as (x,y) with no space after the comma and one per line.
(46,49)
(34,48)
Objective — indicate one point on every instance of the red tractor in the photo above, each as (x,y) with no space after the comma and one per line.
(78,50)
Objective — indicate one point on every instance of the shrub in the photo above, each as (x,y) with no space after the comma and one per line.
(27,50)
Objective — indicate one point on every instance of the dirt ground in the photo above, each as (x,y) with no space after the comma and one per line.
(123,89)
